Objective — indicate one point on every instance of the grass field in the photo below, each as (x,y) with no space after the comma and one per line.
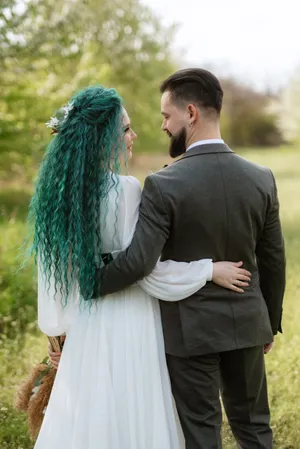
(283,363)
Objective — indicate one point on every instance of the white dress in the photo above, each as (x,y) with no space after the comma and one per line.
(112,388)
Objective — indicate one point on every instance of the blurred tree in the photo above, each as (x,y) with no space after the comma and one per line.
(288,108)
(247,120)
(49,49)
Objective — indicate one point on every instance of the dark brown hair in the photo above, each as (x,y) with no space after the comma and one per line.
(195,86)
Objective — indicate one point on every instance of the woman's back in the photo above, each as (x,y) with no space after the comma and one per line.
(112,388)
(120,213)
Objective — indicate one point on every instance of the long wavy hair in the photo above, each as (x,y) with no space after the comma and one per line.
(72,189)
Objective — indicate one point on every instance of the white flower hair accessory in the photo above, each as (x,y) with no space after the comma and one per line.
(66,109)
(54,123)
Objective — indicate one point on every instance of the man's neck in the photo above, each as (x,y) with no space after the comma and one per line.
(199,135)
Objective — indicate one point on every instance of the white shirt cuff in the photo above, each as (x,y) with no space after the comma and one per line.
(210,270)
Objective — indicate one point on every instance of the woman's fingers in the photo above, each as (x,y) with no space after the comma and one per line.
(237,264)
(241,283)
(54,357)
(243,272)
(235,288)
(240,270)
(230,275)
(241,277)
(54,364)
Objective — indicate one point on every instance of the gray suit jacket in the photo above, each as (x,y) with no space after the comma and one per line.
(214,204)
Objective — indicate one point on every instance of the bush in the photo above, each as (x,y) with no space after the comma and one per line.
(14,204)
(17,288)
(15,365)
(13,429)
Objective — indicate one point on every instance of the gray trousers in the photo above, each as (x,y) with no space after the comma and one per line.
(240,375)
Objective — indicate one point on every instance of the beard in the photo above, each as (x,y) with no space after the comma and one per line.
(178,143)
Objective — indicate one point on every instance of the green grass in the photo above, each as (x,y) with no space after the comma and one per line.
(283,363)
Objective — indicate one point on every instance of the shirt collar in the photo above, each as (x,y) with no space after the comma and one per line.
(204,142)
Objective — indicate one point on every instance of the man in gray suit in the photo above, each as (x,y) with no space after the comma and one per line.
(211,203)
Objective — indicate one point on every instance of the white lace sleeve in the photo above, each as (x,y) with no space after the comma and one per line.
(53,317)
(173,281)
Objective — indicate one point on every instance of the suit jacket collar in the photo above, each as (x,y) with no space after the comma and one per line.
(210,148)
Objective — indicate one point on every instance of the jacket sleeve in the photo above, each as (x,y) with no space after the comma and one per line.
(271,262)
(139,259)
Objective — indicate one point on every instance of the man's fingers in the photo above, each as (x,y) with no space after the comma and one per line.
(268,347)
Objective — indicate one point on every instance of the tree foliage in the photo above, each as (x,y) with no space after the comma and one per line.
(50,49)
(288,108)
(247,119)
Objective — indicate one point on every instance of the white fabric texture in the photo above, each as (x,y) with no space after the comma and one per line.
(112,389)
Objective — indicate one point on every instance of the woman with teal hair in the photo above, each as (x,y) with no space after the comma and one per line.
(112,389)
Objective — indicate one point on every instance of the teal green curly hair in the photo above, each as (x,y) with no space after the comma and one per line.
(72,188)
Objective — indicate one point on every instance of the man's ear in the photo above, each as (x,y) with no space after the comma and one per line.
(193,113)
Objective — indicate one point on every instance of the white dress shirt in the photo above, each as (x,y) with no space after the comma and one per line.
(204,142)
